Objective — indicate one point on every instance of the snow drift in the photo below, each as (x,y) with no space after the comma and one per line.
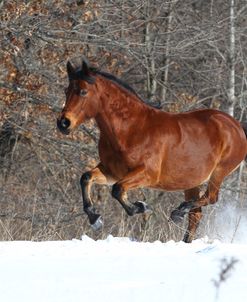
(118,269)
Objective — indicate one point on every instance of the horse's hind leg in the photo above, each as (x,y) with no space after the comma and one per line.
(194,215)
(96,175)
(210,197)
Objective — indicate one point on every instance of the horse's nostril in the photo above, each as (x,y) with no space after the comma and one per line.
(65,123)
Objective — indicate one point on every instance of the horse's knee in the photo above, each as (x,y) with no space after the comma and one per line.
(85,178)
(116,191)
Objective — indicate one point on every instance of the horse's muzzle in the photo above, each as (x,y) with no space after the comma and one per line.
(63,125)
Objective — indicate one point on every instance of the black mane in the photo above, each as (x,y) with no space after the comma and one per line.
(79,74)
(115,79)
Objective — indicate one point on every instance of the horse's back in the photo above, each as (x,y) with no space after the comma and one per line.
(215,124)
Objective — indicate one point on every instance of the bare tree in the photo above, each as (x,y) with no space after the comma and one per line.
(176,54)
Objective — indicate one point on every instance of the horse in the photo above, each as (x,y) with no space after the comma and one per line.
(141,146)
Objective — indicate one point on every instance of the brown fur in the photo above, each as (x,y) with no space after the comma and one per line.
(141,146)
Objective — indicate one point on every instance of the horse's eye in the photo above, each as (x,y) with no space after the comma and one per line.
(83,92)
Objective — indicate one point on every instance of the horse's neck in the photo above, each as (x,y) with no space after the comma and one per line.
(120,111)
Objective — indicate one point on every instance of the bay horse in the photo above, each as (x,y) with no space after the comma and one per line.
(140,146)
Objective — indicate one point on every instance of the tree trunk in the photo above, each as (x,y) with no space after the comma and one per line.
(231,92)
(150,60)
(166,57)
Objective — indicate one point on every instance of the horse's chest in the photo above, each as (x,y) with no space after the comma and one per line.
(113,160)
(114,164)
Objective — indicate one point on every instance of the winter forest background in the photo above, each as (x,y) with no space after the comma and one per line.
(178,55)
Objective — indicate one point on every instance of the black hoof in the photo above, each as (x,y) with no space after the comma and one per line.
(177,216)
(187,238)
(92,216)
(98,223)
(142,207)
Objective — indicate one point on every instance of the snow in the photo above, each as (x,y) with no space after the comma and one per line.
(118,269)
(230,222)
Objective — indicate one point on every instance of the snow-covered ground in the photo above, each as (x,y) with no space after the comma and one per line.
(118,269)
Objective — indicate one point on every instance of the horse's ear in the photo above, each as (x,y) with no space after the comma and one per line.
(70,69)
(86,72)
(85,68)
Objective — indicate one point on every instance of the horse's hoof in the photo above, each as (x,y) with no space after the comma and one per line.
(177,216)
(97,225)
(187,238)
(143,207)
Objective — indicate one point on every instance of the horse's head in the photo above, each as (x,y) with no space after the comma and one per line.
(81,98)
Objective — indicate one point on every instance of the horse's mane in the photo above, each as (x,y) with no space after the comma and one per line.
(96,71)
(118,81)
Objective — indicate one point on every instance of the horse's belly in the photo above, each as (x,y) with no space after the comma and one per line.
(183,179)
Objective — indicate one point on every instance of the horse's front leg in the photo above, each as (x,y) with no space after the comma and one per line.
(132,180)
(97,176)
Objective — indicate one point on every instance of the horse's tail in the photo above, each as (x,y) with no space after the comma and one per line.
(244,126)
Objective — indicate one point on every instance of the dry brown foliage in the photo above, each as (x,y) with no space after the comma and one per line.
(175,51)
